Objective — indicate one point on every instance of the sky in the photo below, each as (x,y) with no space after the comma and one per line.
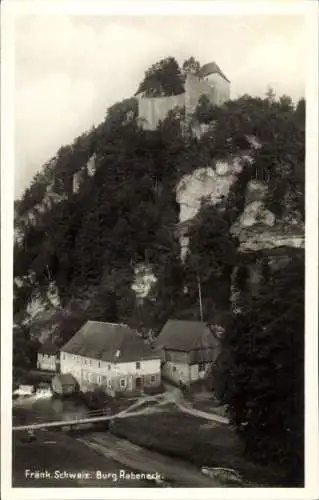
(70,69)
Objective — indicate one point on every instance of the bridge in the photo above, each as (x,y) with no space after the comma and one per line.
(93,416)
(103,415)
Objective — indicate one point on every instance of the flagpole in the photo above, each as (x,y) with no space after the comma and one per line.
(200,298)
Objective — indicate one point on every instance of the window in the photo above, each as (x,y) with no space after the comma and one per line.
(109,367)
(122,383)
(174,368)
(90,362)
(138,365)
(153,378)
(63,356)
(99,364)
(109,382)
(201,367)
(99,379)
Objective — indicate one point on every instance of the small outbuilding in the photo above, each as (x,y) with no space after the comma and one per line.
(64,384)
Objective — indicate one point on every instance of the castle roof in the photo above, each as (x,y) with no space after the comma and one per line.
(211,68)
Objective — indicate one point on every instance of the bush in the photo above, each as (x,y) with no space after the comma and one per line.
(95,399)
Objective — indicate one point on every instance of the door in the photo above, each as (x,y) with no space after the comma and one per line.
(138,383)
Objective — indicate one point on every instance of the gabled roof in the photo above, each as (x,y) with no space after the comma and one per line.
(211,68)
(185,336)
(48,348)
(67,379)
(111,342)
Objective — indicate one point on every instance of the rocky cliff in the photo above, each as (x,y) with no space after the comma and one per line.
(103,232)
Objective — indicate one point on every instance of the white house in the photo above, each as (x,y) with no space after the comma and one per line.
(191,348)
(111,356)
(48,357)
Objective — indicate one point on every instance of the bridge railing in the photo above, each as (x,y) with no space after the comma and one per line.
(102,412)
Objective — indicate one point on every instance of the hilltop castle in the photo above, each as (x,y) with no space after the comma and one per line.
(210,81)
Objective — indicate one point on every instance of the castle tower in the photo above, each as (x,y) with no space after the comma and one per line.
(212,74)
(210,82)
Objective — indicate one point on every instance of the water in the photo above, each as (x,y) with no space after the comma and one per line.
(45,407)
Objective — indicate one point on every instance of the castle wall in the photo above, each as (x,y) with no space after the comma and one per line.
(155,109)
(152,110)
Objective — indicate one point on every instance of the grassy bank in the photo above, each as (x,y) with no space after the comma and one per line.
(195,440)
(56,451)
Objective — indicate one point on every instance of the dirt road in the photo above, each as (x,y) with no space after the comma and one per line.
(174,396)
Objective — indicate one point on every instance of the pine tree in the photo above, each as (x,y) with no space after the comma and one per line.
(265,375)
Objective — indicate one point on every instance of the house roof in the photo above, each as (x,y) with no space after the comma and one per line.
(48,348)
(109,342)
(67,379)
(159,351)
(211,68)
(181,335)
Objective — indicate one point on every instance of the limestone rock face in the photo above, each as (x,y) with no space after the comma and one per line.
(259,232)
(262,238)
(255,213)
(43,302)
(257,228)
(255,191)
(204,183)
(91,166)
(209,184)
(143,281)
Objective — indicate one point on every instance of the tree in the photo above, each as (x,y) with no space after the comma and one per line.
(206,112)
(264,392)
(190,65)
(300,113)
(285,103)
(24,348)
(212,256)
(162,79)
(270,95)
